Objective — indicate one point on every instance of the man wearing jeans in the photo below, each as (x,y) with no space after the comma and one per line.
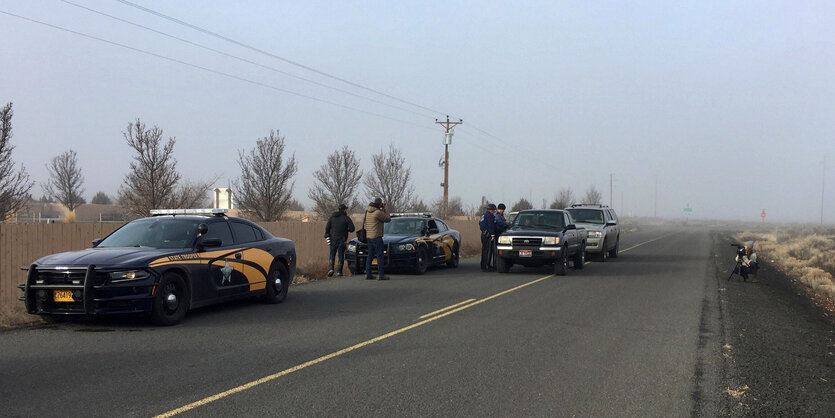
(375,217)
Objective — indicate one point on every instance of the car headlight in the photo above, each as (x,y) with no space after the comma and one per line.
(121,276)
(406,247)
(551,241)
(351,248)
(595,234)
(504,239)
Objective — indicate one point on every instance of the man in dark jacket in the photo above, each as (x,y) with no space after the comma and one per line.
(336,232)
(487,225)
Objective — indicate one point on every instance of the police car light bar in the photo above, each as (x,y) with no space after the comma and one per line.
(217,212)
(419,214)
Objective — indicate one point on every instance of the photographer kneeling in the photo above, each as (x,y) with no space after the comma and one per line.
(746,259)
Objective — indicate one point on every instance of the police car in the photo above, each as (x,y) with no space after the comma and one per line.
(413,241)
(162,266)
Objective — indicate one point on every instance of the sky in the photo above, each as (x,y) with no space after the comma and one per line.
(725,107)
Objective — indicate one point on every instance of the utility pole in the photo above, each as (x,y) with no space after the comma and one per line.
(823,187)
(448,127)
(611,183)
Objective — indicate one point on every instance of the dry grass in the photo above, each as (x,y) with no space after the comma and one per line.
(805,254)
(14,315)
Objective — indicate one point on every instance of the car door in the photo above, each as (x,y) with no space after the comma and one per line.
(254,261)
(446,243)
(221,271)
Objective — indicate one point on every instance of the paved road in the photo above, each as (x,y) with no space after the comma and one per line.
(636,336)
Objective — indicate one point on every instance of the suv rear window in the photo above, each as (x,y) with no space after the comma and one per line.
(591,216)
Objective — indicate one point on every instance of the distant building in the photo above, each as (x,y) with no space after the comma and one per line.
(223,198)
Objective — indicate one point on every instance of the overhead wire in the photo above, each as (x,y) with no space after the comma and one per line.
(261,51)
(217,72)
(241,58)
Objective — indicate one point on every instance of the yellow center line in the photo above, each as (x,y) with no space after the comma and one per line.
(274,376)
(447,308)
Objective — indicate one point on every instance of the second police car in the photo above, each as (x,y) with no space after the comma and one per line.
(162,266)
(413,241)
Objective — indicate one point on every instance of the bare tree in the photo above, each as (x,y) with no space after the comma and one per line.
(65,180)
(14,184)
(454,208)
(265,188)
(419,206)
(193,193)
(522,204)
(336,182)
(592,195)
(564,198)
(390,180)
(152,179)
(101,198)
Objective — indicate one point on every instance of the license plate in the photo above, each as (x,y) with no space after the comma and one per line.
(62,295)
(374,262)
(525,253)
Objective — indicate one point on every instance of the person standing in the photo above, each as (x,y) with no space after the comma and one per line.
(375,217)
(501,226)
(336,232)
(487,225)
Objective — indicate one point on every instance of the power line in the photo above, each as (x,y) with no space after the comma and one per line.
(188,64)
(240,58)
(261,51)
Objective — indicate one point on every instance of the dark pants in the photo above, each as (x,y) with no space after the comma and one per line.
(487,261)
(337,247)
(375,249)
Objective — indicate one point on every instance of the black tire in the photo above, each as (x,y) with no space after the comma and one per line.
(580,258)
(453,261)
(356,269)
(603,253)
(171,300)
(278,283)
(614,252)
(502,265)
(561,264)
(421,261)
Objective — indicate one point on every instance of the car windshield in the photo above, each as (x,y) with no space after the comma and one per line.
(539,220)
(404,226)
(155,233)
(590,216)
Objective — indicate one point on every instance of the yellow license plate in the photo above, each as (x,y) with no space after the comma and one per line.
(63,295)
(374,262)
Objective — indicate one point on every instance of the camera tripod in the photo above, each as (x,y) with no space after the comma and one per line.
(737,270)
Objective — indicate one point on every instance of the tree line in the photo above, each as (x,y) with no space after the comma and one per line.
(262,192)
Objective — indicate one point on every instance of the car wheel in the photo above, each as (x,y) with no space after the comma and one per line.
(561,264)
(278,283)
(604,253)
(357,269)
(580,258)
(614,252)
(453,261)
(171,300)
(502,265)
(422,262)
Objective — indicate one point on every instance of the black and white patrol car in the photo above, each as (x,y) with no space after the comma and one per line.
(413,242)
(162,266)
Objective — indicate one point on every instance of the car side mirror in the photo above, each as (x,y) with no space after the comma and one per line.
(433,231)
(611,223)
(97,241)
(202,229)
(570,226)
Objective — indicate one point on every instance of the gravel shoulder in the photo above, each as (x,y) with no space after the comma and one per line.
(779,346)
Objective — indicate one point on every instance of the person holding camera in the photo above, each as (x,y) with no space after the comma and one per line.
(336,232)
(746,258)
(375,216)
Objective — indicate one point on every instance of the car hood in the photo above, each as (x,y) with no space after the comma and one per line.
(590,227)
(132,256)
(531,232)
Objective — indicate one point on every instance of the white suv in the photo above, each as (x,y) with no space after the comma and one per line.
(602,223)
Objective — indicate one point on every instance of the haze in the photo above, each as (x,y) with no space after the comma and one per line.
(723,106)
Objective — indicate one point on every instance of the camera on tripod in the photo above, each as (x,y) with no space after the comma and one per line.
(745,261)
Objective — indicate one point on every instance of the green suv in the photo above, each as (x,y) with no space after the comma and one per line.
(602,223)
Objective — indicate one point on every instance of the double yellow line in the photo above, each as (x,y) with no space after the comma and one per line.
(425,319)
(432,316)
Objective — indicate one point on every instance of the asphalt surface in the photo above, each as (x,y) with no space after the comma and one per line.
(656,332)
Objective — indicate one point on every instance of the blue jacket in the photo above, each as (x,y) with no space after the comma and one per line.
(487,223)
(501,223)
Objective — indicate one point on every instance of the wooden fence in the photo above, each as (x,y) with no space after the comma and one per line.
(21,244)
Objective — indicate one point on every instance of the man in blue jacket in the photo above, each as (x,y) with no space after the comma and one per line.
(487,225)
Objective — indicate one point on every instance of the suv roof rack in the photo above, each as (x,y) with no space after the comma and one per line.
(592,205)
(209,211)
(418,214)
